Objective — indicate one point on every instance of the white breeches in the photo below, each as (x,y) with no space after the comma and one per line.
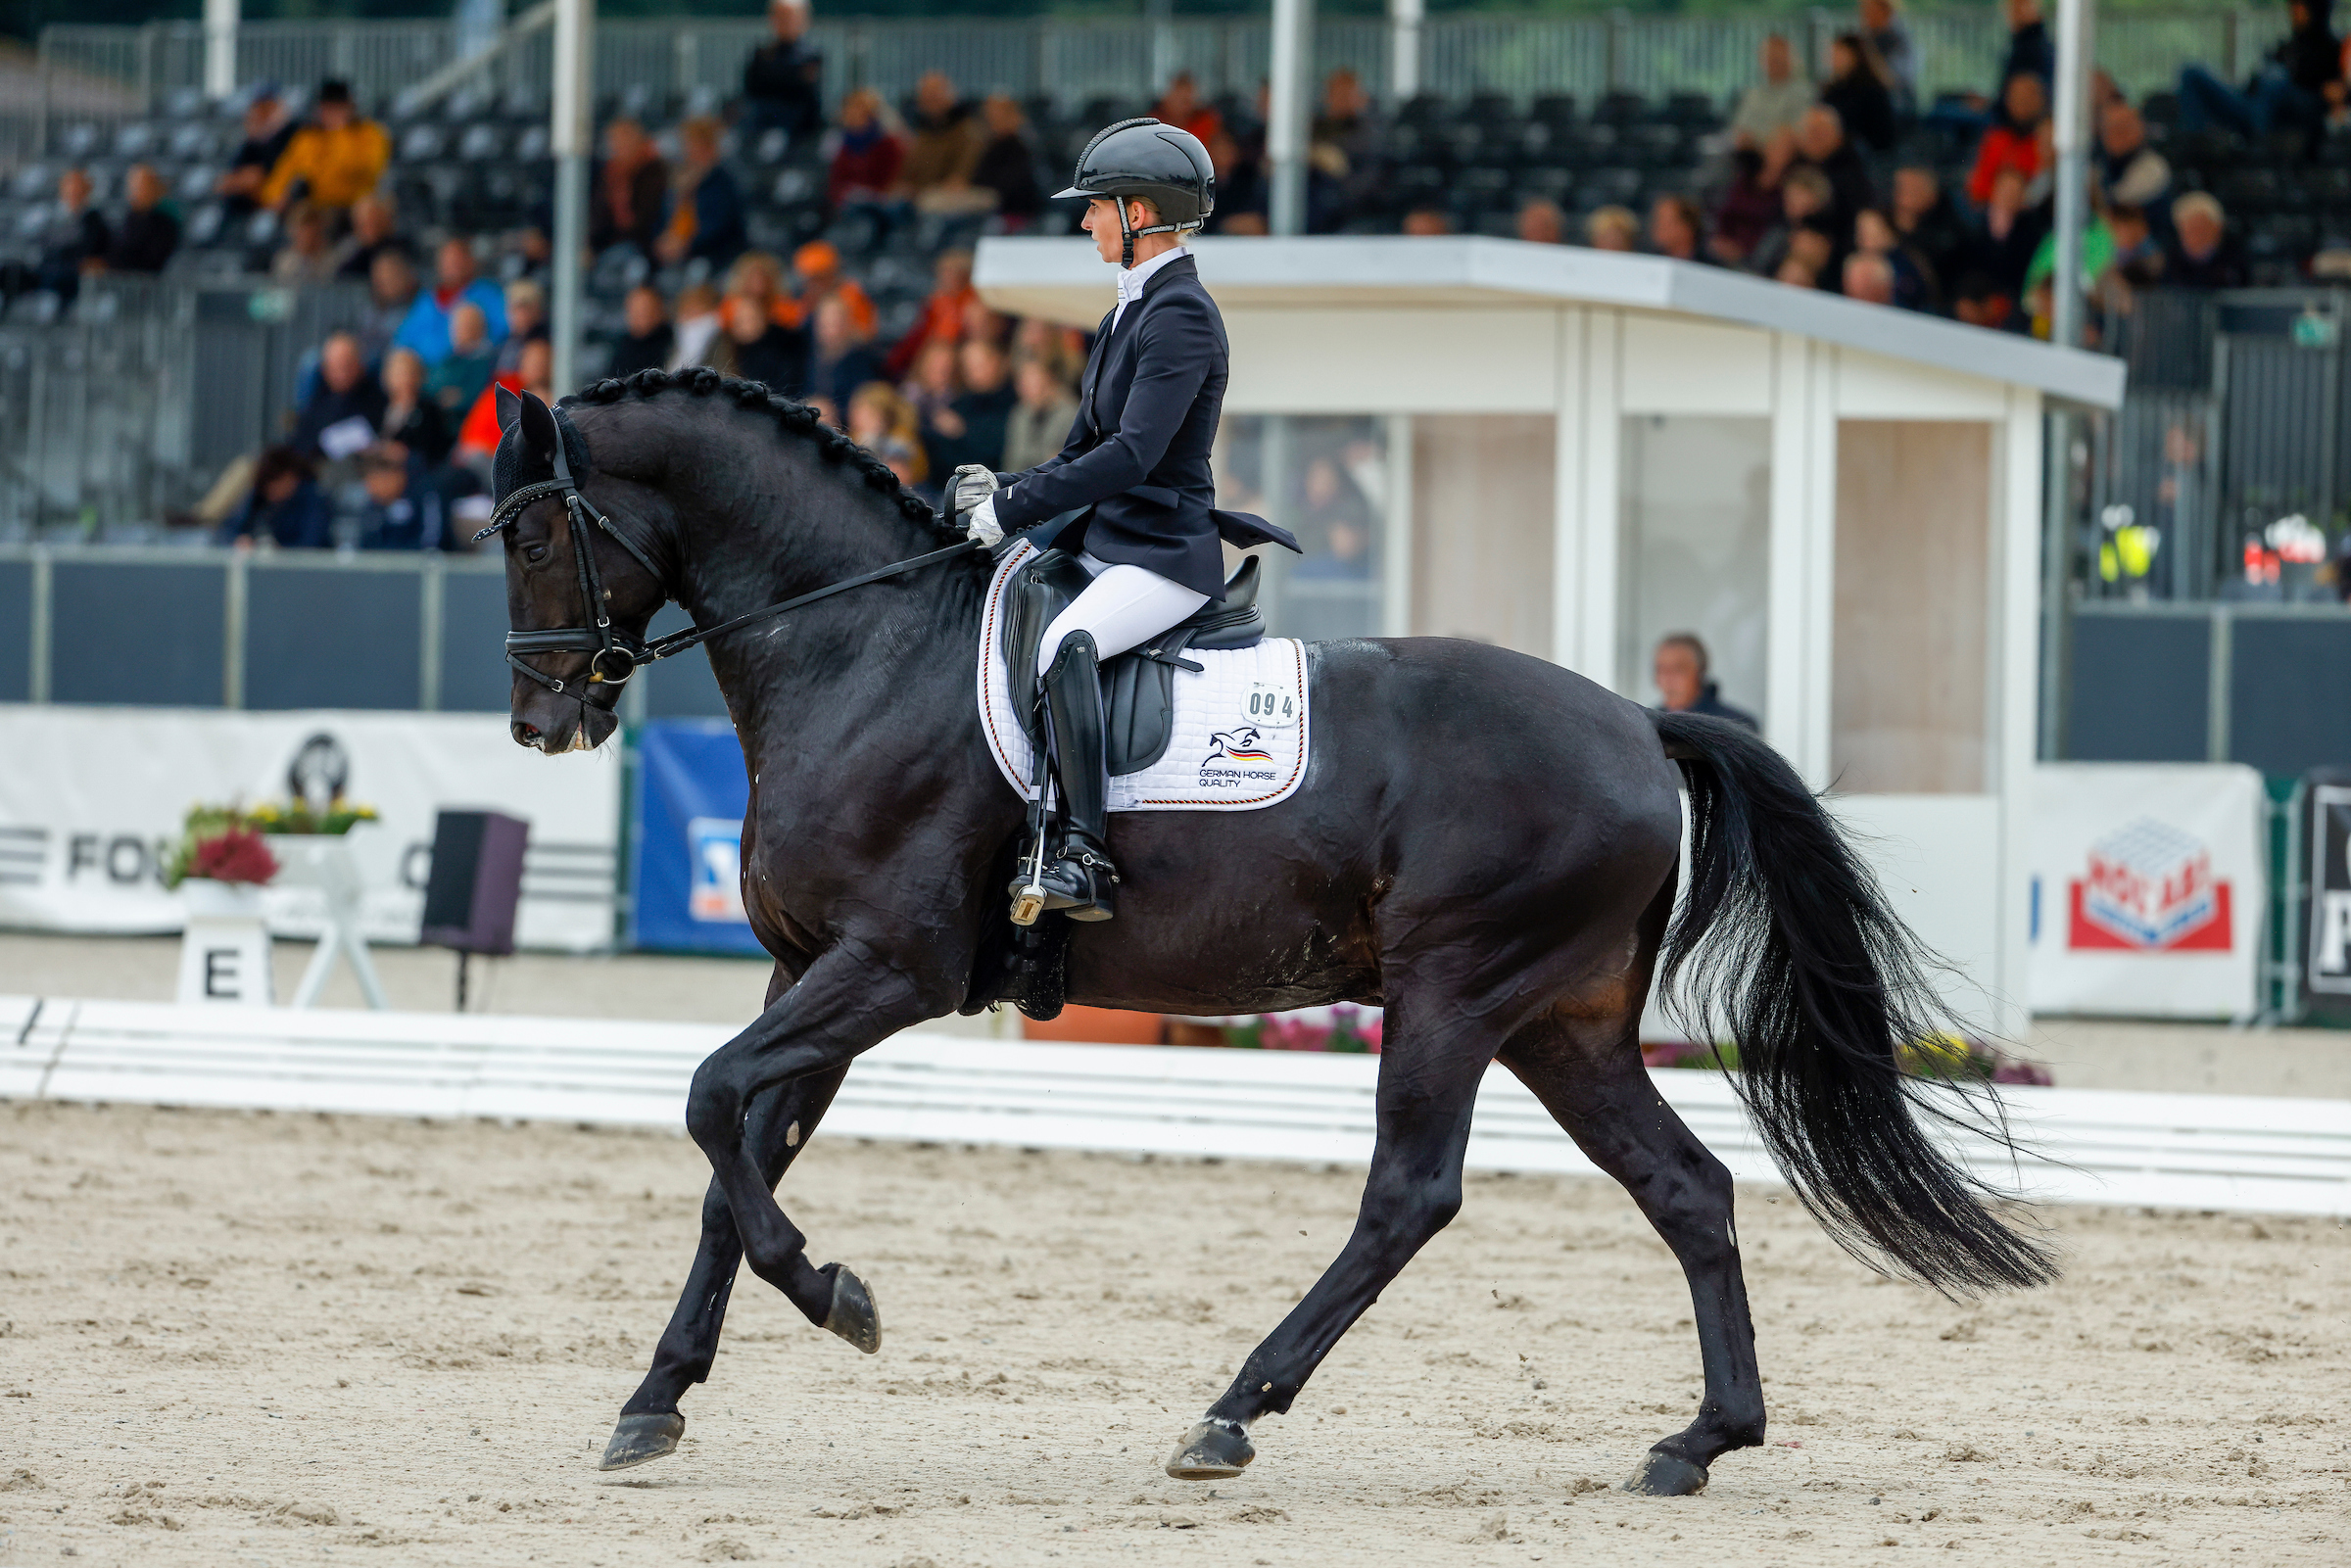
(1122,607)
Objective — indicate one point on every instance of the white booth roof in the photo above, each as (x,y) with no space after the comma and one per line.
(1064,280)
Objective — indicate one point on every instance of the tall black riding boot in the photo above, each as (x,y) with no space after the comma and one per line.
(1078,879)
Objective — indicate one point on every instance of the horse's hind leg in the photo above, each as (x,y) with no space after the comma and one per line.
(1584,1064)
(777,1128)
(1428,1090)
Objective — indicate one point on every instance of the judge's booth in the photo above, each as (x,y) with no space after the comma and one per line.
(1573,454)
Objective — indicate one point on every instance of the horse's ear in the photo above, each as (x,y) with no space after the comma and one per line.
(538,425)
(509,408)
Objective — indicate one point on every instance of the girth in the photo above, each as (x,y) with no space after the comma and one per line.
(1139,686)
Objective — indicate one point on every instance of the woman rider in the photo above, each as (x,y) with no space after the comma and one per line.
(1130,492)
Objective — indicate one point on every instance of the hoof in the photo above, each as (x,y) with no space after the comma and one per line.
(1213,1451)
(1662,1475)
(852,1316)
(637,1439)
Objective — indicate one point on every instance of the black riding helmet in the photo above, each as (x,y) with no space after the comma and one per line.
(1160,163)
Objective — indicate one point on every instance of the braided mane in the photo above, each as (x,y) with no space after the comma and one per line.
(790,414)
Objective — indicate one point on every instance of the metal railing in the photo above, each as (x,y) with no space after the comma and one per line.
(1076,58)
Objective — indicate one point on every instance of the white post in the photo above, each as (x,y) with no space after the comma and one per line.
(2074,32)
(1404,49)
(571,134)
(219,48)
(1287,121)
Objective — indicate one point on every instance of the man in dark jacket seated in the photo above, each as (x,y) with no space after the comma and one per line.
(1680,671)
(345,414)
(148,233)
(1135,474)
(286,507)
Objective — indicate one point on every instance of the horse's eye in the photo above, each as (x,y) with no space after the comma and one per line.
(534,552)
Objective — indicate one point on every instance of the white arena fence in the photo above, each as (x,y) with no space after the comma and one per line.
(2180,1151)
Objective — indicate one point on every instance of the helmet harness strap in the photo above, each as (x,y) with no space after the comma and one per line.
(1128,233)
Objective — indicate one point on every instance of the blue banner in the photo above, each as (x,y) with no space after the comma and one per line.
(685,842)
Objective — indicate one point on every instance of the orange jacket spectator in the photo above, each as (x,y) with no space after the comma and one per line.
(338,158)
(951,299)
(2014,139)
(818,263)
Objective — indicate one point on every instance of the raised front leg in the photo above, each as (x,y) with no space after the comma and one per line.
(1428,1090)
(779,1127)
(846,1001)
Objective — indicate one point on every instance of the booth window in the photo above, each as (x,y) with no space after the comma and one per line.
(1326,479)
(1911,710)
(1694,553)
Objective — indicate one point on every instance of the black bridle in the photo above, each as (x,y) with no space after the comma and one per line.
(612,657)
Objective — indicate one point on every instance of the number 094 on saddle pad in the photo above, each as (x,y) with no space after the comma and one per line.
(1235,731)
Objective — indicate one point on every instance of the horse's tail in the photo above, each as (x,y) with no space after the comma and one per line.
(1785,931)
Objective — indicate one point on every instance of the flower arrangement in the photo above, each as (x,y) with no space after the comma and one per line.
(1342,1026)
(216,845)
(1938,1056)
(299,816)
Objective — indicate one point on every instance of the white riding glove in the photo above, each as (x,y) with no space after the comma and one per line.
(971,488)
(981,523)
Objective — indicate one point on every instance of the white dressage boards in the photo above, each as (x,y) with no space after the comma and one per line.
(2187,1151)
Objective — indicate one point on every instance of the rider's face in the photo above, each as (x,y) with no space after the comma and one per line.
(1101,221)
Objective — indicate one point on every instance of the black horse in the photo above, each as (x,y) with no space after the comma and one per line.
(1485,845)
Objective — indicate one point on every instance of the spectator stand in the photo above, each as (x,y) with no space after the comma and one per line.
(1572,454)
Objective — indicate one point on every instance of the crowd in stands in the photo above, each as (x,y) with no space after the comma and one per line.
(829,254)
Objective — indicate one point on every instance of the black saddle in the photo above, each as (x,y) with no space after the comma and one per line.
(1139,686)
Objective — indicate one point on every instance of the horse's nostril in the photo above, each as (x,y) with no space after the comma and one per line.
(525,733)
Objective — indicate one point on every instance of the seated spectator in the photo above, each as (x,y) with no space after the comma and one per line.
(698,326)
(1007,166)
(650,339)
(2296,89)
(1821,142)
(479,435)
(1342,154)
(77,238)
(868,157)
(705,221)
(1063,348)
(2014,139)
(307,257)
(1039,425)
(268,129)
(817,264)
(344,409)
(1915,285)
(1929,226)
(760,275)
(943,149)
(532,255)
(971,428)
(1541,223)
(1612,228)
(1428,222)
(399,510)
(1180,106)
(2032,52)
(1335,522)
(629,203)
(1776,102)
(1746,210)
(942,317)
(1807,205)
(1981,303)
(2097,257)
(374,230)
(1676,229)
(456,379)
(840,362)
(526,321)
(412,420)
(2130,173)
(1861,100)
(754,347)
(426,328)
(1240,187)
(932,385)
(2139,262)
(1812,255)
(886,425)
(333,161)
(2202,254)
(1869,278)
(391,295)
(2009,233)
(784,80)
(1680,670)
(1892,53)
(286,507)
(148,234)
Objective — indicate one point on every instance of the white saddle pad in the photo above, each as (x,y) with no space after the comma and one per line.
(1237,739)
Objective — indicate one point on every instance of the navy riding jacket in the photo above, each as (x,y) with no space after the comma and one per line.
(1136,467)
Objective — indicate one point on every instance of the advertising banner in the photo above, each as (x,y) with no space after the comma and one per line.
(91,800)
(685,842)
(2326,915)
(2148,887)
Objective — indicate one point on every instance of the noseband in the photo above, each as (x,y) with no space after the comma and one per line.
(611,656)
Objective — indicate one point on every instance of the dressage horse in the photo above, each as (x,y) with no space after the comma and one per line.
(1485,844)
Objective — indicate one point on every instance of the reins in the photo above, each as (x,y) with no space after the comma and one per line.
(613,657)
